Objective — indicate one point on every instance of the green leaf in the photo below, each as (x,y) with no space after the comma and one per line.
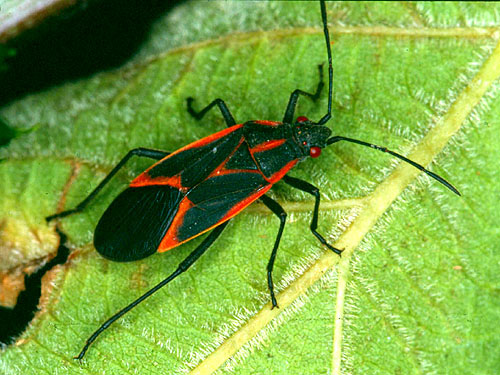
(417,289)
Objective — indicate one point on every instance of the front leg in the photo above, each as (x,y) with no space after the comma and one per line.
(228,117)
(311,189)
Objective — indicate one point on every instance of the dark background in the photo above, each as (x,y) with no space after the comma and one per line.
(89,37)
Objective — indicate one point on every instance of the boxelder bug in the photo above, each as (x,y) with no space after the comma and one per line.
(201,186)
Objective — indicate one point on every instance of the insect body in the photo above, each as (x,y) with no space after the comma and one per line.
(201,186)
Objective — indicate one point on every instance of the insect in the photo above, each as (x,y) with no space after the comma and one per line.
(201,186)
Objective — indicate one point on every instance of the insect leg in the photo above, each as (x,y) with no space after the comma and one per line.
(183,266)
(280,212)
(311,189)
(144,152)
(294,96)
(228,117)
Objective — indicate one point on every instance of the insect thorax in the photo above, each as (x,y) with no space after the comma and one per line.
(273,146)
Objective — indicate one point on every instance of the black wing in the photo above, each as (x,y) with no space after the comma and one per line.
(134,224)
(198,160)
(217,199)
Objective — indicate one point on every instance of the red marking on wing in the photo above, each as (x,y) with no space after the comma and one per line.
(283,171)
(268,145)
(144,179)
(170,240)
(204,141)
(267,122)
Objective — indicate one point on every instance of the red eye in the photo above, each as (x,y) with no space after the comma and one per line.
(314,152)
(302,119)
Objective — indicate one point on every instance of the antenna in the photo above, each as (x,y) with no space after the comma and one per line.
(327,117)
(384,149)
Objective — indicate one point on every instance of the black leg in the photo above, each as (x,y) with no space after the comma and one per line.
(280,212)
(292,103)
(308,188)
(144,152)
(185,264)
(228,117)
